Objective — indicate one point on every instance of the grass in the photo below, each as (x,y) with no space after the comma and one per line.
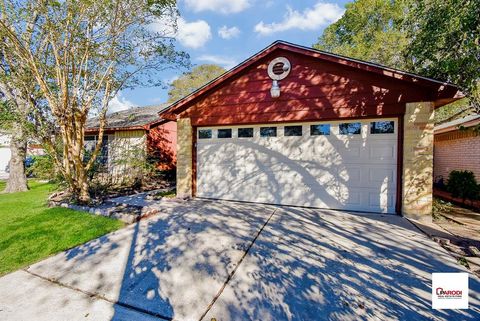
(439,207)
(167,194)
(463,261)
(30,231)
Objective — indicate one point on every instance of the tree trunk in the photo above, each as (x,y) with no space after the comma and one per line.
(17,180)
(84,196)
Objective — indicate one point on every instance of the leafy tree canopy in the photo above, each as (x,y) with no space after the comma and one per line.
(6,117)
(192,80)
(435,38)
(369,30)
(62,60)
(445,43)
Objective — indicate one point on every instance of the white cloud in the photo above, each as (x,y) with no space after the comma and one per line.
(269,3)
(228,33)
(222,6)
(119,103)
(310,19)
(226,62)
(193,34)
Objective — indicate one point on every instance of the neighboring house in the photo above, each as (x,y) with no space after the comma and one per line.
(33,149)
(296,126)
(133,135)
(457,147)
(4,154)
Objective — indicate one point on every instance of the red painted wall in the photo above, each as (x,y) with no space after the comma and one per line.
(162,145)
(315,89)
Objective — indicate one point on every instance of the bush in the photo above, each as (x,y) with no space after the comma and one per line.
(43,168)
(463,184)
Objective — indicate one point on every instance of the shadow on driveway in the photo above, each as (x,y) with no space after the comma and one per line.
(327,265)
(306,265)
(170,265)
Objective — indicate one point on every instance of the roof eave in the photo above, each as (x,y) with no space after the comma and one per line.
(467,124)
(96,129)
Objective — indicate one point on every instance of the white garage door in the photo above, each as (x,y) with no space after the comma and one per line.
(349,165)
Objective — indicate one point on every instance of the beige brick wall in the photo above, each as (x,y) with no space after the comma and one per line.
(418,161)
(457,150)
(184,157)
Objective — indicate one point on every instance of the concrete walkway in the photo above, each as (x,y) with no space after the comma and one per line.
(235,261)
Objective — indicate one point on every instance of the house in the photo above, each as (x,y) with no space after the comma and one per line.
(131,136)
(457,147)
(33,149)
(296,126)
(4,154)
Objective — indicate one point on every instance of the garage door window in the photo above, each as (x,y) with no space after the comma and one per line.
(382,127)
(293,131)
(323,129)
(224,133)
(245,132)
(350,128)
(268,131)
(205,133)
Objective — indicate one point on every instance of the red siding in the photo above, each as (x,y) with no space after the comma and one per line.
(162,145)
(315,89)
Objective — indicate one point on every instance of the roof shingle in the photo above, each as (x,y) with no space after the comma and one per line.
(134,117)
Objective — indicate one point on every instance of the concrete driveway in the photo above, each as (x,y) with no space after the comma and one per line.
(200,260)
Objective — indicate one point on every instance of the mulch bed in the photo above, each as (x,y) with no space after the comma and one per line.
(446,196)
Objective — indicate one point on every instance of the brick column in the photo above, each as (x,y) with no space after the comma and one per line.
(184,157)
(418,161)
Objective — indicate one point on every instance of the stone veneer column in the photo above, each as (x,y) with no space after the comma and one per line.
(184,157)
(418,161)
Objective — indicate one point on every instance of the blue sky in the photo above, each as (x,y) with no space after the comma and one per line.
(226,32)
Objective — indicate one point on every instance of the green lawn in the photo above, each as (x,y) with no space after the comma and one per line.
(30,231)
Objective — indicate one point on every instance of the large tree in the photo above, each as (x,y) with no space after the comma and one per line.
(17,178)
(435,38)
(371,30)
(67,59)
(445,43)
(192,80)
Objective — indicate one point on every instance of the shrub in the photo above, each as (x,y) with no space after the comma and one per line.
(43,168)
(463,184)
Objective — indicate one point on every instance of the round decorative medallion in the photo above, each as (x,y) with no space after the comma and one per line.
(279,68)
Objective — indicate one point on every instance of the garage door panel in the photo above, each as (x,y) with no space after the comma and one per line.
(385,200)
(356,172)
(273,187)
(353,199)
(382,152)
(352,152)
(352,175)
(382,175)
